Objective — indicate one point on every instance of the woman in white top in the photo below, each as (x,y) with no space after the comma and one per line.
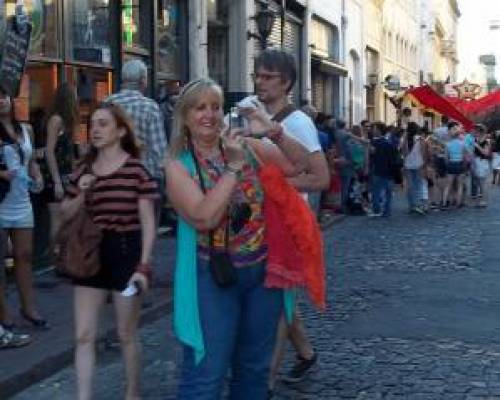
(16,213)
(413,150)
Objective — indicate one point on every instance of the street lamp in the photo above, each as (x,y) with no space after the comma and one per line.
(265,20)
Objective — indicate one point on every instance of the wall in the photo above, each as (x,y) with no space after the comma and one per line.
(354,56)
(401,42)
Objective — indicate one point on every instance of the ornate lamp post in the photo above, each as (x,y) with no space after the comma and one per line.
(265,20)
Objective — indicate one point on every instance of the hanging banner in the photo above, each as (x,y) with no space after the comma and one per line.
(14,54)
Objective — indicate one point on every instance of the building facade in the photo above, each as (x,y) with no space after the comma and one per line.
(400,48)
(85,43)
(438,42)
(325,50)
(374,51)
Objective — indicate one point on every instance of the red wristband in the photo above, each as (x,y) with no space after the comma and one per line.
(145,269)
(276,134)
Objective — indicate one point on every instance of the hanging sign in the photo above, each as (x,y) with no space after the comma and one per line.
(14,52)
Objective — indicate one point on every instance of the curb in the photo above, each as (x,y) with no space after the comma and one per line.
(53,364)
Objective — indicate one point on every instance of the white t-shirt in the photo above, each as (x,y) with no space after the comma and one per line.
(298,125)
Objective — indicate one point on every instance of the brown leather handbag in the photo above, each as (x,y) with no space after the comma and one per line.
(77,245)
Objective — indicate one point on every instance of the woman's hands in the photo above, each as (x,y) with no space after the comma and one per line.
(141,280)
(86,181)
(233,147)
(259,122)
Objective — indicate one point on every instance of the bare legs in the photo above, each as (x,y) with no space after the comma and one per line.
(127,314)
(22,245)
(87,305)
(450,179)
(296,333)
(4,312)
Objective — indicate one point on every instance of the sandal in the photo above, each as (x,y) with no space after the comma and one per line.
(9,340)
(7,325)
(36,322)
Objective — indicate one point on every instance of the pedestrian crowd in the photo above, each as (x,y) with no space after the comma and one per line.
(439,170)
(248,190)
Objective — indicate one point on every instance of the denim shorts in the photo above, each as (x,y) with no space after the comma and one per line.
(455,167)
(120,253)
(25,222)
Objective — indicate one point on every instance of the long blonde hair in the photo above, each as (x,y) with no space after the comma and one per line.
(188,98)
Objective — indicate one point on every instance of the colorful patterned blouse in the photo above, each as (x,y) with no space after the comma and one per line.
(246,245)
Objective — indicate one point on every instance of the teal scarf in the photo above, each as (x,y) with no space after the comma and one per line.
(187,325)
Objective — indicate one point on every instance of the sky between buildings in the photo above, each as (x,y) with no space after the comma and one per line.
(474,36)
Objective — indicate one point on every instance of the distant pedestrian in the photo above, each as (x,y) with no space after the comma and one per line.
(383,163)
(16,211)
(56,165)
(455,165)
(495,163)
(147,118)
(119,192)
(412,146)
(8,338)
(481,167)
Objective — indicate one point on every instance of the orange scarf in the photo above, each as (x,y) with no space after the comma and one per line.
(293,236)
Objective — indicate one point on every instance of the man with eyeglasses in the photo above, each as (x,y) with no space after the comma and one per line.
(275,76)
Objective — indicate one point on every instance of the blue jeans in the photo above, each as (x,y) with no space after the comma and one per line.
(314,199)
(414,187)
(381,186)
(474,185)
(345,184)
(239,326)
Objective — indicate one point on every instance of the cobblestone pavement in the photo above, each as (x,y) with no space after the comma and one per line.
(413,313)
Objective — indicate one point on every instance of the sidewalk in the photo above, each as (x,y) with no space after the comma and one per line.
(52,350)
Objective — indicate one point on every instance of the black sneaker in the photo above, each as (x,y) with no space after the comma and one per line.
(300,369)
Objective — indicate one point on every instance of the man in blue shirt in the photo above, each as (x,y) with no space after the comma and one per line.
(383,163)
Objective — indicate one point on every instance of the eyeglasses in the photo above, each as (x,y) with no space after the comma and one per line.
(266,76)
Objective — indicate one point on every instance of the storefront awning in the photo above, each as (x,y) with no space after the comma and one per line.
(428,98)
(328,66)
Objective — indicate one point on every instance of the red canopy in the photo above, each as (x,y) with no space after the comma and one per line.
(429,98)
(474,107)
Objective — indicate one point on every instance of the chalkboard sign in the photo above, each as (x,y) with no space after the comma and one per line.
(14,55)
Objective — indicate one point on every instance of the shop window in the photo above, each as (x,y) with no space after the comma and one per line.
(169,38)
(133,13)
(217,43)
(88,30)
(43,15)
(93,86)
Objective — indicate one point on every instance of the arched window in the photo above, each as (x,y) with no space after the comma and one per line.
(389,47)
(397,54)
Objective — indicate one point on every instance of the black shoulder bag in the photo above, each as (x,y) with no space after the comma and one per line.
(4,183)
(220,264)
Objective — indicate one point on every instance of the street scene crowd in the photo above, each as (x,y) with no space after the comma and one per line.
(251,191)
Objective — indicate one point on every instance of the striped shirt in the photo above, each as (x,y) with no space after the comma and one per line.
(114,198)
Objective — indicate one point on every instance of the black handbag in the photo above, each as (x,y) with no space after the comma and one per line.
(220,264)
(4,183)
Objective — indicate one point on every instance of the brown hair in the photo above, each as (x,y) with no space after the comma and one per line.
(65,105)
(128,142)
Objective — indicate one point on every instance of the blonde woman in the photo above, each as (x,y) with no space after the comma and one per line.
(223,314)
